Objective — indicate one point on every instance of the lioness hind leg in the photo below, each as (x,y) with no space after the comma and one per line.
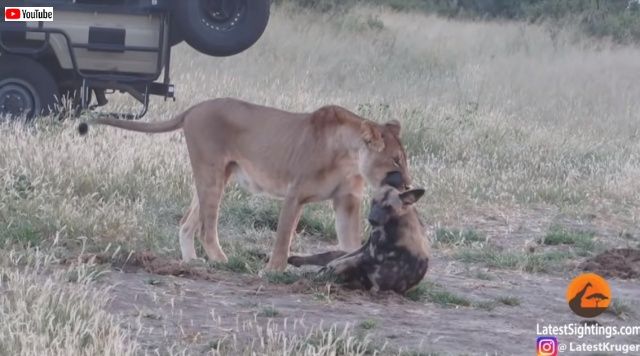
(189,224)
(210,179)
(289,217)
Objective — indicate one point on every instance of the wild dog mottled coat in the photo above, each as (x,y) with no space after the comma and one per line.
(395,257)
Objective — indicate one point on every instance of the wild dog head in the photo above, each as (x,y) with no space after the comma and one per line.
(389,203)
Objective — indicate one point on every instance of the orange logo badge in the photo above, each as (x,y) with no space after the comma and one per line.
(588,295)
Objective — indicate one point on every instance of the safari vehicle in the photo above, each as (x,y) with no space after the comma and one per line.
(94,48)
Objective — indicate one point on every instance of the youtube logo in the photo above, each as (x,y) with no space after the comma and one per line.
(11,14)
(28,13)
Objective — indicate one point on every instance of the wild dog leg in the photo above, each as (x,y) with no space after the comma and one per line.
(347,266)
(341,266)
(323,259)
(320,259)
(347,262)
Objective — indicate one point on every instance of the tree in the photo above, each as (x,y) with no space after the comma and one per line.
(598,297)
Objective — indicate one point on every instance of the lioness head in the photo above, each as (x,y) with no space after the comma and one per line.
(383,160)
(390,203)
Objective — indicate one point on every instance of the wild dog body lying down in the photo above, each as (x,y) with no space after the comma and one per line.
(395,257)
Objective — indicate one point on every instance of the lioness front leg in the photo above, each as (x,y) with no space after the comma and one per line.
(289,216)
(348,228)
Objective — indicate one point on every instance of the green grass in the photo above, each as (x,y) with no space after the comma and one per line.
(510,301)
(269,312)
(242,259)
(21,234)
(86,272)
(154,282)
(527,262)
(368,324)
(487,305)
(433,293)
(219,345)
(318,220)
(322,297)
(257,213)
(490,305)
(239,264)
(282,277)
(455,237)
(246,213)
(621,309)
(582,241)
(485,276)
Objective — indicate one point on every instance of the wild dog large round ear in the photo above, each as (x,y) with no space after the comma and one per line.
(394,126)
(411,196)
(371,135)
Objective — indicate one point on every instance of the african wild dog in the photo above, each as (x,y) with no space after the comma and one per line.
(395,257)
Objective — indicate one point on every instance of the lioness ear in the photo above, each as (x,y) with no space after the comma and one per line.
(394,126)
(372,136)
(411,196)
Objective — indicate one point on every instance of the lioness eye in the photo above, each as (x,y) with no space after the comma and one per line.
(396,162)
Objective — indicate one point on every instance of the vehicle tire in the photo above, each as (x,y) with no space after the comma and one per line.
(221,27)
(175,36)
(27,89)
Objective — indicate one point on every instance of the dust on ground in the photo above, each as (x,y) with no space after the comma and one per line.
(198,308)
(190,307)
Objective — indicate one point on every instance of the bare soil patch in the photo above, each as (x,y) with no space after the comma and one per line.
(190,308)
(616,263)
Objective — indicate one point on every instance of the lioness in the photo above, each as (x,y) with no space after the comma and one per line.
(395,257)
(297,157)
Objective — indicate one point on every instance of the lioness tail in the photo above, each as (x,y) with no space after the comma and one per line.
(140,126)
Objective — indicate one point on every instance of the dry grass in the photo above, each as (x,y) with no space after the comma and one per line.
(252,338)
(494,114)
(46,312)
(43,314)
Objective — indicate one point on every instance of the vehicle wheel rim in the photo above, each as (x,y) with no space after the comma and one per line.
(223,15)
(17,98)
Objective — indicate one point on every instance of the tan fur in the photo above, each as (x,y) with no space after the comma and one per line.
(297,157)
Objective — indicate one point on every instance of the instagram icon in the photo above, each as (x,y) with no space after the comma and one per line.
(547,346)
